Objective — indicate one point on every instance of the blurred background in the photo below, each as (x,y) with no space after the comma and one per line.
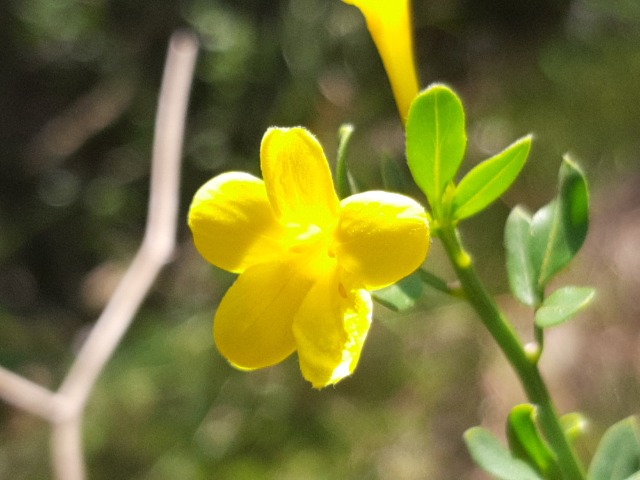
(79,81)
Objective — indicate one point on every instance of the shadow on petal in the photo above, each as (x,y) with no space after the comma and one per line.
(330,329)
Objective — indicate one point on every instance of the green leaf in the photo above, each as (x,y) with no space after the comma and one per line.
(543,222)
(527,443)
(563,304)
(436,140)
(523,278)
(487,181)
(559,229)
(495,459)
(618,454)
(574,195)
(402,295)
(344,184)
(393,177)
(438,283)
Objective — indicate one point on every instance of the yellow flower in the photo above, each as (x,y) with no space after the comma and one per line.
(389,22)
(306,259)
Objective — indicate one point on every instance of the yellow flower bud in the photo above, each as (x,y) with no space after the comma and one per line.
(389,22)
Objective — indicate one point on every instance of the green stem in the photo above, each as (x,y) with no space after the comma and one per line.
(526,368)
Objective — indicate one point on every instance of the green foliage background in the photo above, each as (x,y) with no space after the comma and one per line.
(78,90)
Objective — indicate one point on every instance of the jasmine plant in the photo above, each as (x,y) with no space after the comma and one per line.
(308,260)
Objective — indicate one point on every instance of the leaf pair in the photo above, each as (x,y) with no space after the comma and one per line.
(528,456)
(539,246)
(436,144)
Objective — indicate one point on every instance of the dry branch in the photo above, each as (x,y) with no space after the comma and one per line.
(64,409)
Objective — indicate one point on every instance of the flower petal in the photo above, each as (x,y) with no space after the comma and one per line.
(298,178)
(389,22)
(252,327)
(330,329)
(233,225)
(381,237)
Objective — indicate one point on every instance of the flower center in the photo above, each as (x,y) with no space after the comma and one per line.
(306,238)
(311,244)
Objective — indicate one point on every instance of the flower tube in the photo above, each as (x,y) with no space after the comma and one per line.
(389,22)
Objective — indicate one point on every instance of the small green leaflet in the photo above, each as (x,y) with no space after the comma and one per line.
(528,444)
(436,140)
(618,454)
(559,229)
(487,181)
(562,305)
(523,279)
(494,458)
(539,247)
(344,184)
(402,295)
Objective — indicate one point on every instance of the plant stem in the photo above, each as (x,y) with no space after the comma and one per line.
(508,340)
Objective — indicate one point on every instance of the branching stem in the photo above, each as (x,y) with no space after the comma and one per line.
(525,367)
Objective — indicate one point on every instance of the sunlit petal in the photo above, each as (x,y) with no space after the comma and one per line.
(298,177)
(330,329)
(381,237)
(233,224)
(253,325)
(389,22)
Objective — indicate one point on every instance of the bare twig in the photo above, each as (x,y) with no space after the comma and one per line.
(65,408)
(66,449)
(29,396)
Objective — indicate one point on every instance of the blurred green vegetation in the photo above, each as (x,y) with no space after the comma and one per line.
(78,90)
